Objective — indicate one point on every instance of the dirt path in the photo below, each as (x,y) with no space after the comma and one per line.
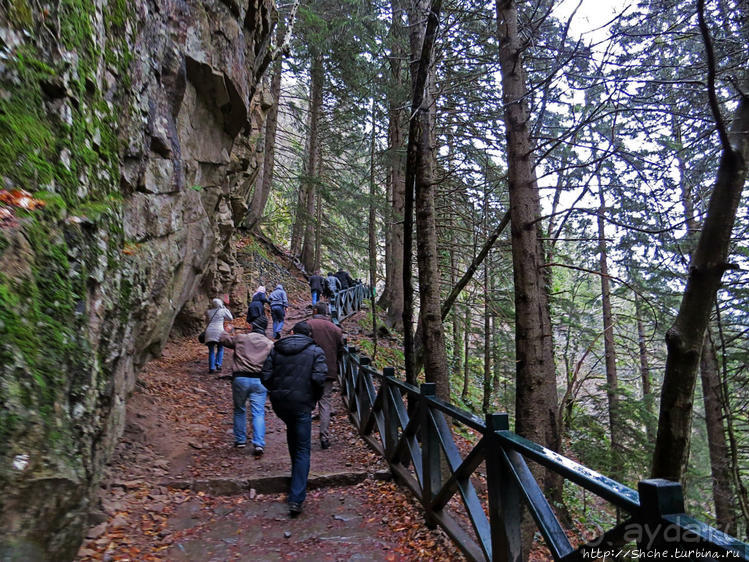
(178,490)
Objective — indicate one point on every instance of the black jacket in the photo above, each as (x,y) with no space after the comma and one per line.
(316,283)
(257,308)
(344,278)
(294,373)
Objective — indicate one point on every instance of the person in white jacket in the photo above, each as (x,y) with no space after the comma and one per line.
(215,317)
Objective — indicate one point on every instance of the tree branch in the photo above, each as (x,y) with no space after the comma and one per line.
(447,305)
(712,97)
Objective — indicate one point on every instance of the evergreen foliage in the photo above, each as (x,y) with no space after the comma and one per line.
(623,111)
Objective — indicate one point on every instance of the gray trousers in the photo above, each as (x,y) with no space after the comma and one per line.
(325,406)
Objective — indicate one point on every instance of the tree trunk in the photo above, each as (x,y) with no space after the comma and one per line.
(612,381)
(433,336)
(647,392)
(466,349)
(455,363)
(318,236)
(372,223)
(536,396)
(417,161)
(716,438)
(685,338)
(396,163)
(297,230)
(312,171)
(486,403)
(263,185)
(710,378)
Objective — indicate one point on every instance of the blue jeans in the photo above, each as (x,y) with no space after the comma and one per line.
(315,296)
(277,313)
(215,355)
(298,438)
(241,389)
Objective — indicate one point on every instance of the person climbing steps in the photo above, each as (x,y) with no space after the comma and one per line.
(279,302)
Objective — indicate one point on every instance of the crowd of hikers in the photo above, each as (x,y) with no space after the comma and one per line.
(297,371)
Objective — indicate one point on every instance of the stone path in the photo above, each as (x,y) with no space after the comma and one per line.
(178,489)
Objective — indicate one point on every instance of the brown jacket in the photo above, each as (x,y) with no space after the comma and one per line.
(330,338)
(250,351)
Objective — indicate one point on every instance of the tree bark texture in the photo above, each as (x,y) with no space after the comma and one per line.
(433,336)
(647,391)
(418,118)
(486,402)
(612,382)
(372,223)
(709,373)
(725,513)
(396,163)
(685,337)
(536,395)
(466,349)
(312,169)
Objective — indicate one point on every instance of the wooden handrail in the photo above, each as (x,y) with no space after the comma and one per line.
(408,426)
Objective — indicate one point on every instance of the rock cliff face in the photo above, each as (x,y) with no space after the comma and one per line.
(136,124)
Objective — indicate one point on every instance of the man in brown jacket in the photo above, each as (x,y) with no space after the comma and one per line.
(330,338)
(250,351)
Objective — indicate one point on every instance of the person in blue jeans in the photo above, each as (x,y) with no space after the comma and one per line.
(294,373)
(279,302)
(250,352)
(216,317)
(316,286)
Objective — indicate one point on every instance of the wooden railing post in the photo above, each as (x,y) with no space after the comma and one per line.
(354,377)
(659,497)
(390,413)
(363,393)
(430,454)
(504,495)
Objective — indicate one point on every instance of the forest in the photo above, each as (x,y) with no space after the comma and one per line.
(547,199)
(550,195)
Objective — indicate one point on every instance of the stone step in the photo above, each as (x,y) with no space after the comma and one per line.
(272,484)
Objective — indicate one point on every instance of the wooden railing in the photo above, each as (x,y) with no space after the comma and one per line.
(411,428)
(344,303)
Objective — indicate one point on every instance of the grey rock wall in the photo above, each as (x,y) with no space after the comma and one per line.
(136,123)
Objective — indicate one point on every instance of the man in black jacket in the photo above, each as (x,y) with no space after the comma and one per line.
(316,286)
(344,278)
(294,373)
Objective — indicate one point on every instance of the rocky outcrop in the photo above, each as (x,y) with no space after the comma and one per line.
(136,124)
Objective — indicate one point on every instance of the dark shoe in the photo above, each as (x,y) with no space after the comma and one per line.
(294,509)
(258,452)
(324,443)
(277,336)
(211,371)
(240,445)
(218,368)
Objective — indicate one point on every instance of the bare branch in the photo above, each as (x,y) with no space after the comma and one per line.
(712,97)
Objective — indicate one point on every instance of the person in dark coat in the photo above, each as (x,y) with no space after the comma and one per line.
(330,338)
(257,305)
(316,286)
(343,278)
(294,374)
